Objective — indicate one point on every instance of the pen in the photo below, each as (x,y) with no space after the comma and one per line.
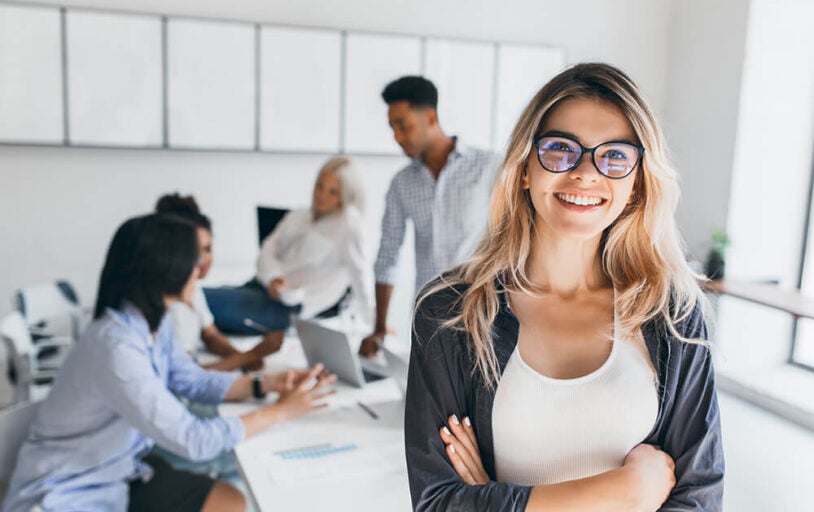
(257,326)
(368,410)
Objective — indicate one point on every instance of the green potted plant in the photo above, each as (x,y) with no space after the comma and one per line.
(715,259)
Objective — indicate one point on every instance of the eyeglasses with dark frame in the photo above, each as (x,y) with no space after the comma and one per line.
(559,153)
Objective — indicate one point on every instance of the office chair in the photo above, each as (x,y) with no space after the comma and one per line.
(267,220)
(14,423)
(50,309)
(25,368)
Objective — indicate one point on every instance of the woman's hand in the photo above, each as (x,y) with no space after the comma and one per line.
(463,452)
(299,395)
(653,474)
(280,382)
(275,286)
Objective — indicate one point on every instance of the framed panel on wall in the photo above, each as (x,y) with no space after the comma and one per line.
(94,78)
(31,89)
(115,89)
(300,93)
(522,71)
(372,61)
(463,72)
(210,84)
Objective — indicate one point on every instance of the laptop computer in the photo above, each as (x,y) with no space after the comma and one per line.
(333,349)
(396,368)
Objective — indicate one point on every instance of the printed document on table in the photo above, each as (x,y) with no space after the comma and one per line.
(343,444)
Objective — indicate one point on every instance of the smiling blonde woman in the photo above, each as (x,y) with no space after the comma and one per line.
(563,366)
(306,264)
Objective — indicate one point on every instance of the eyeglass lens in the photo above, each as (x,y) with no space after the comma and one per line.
(613,159)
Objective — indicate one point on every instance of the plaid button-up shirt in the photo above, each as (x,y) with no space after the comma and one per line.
(449,215)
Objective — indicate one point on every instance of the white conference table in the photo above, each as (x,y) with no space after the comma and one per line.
(361,466)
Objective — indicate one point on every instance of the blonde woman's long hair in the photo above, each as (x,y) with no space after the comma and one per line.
(352,192)
(641,252)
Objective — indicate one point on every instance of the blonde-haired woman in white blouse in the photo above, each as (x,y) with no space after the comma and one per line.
(308,262)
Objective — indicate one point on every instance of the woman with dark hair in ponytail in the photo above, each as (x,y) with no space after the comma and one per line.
(193,321)
(115,396)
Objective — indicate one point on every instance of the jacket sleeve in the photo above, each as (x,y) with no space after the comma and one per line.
(127,383)
(693,434)
(187,378)
(437,387)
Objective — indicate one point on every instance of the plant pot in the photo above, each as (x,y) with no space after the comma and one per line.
(715,266)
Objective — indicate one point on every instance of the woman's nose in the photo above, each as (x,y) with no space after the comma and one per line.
(586,170)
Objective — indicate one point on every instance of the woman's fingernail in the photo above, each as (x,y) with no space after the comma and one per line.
(467,422)
(455,420)
(447,432)
(452,448)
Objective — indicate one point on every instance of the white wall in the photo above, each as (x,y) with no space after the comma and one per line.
(769,461)
(775,144)
(769,189)
(628,33)
(704,67)
(59,206)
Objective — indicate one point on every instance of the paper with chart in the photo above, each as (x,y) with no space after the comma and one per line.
(343,444)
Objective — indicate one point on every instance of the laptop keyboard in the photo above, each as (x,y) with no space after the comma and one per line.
(371,377)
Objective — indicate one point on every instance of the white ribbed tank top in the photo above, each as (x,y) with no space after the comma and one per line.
(549,430)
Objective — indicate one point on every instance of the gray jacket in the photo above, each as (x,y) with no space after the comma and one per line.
(441,383)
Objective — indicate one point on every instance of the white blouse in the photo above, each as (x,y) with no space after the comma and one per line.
(553,430)
(188,322)
(323,257)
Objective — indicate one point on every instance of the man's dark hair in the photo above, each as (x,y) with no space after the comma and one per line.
(149,257)
(183,206)
(416,90)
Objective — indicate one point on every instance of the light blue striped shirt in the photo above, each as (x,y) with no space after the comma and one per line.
(449,215)
(112,401)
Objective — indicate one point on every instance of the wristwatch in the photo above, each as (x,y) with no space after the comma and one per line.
(257,387)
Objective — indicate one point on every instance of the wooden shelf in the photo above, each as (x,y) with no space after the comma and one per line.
(766,294)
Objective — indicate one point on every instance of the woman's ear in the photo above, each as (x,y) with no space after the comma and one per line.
(638,190)
(525,178)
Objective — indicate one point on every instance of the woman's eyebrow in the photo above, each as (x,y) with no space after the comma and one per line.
(561,133)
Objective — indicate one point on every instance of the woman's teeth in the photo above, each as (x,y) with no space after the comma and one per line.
(579,200)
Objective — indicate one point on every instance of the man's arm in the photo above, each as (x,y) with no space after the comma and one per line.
(394,225)
(370,345)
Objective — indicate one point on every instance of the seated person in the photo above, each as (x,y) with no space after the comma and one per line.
(315,252)
(114,398)
(193,322)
